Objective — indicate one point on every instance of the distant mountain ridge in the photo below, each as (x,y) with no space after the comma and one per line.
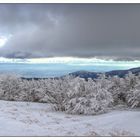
(119,73)
(94,75)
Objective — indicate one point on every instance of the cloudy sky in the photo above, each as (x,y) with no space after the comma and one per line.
(70,30)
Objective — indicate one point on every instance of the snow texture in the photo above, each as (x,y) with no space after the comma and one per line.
(38,119)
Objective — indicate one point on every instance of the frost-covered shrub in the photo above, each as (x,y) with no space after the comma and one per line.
(130,81)
(132,90)
(56,92)
(117,88)
(32,91)
(9,87)
(12,87)
(87,97)
(122,89)
(133,96)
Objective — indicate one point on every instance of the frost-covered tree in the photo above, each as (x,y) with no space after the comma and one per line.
(130,81)
(12,87)
(117,88)
(133,90)
(32,91)
(56,90)
(9,87)
(87,97)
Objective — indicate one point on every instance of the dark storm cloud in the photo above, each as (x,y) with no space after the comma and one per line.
(79,30)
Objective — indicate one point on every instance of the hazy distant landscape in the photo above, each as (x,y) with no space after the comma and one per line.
(50,70)
(56,67)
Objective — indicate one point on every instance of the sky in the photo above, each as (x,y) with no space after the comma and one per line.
(103,31)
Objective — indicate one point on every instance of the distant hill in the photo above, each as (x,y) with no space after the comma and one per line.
(120,73)
(94,75)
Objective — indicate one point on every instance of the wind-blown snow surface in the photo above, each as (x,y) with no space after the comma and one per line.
(37,119)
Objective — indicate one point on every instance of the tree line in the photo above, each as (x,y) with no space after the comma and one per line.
(74,95)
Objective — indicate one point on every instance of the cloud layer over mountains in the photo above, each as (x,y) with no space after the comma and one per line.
(77,30)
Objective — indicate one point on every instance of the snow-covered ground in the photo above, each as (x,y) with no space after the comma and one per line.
(37,119)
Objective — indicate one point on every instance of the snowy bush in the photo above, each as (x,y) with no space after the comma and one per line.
(9,87)
(133,96)
(56,92)
(32,91)
(132,90)
(12,87)
(117,88)
(87,97)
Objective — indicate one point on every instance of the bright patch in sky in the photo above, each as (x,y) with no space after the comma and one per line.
(3,40)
